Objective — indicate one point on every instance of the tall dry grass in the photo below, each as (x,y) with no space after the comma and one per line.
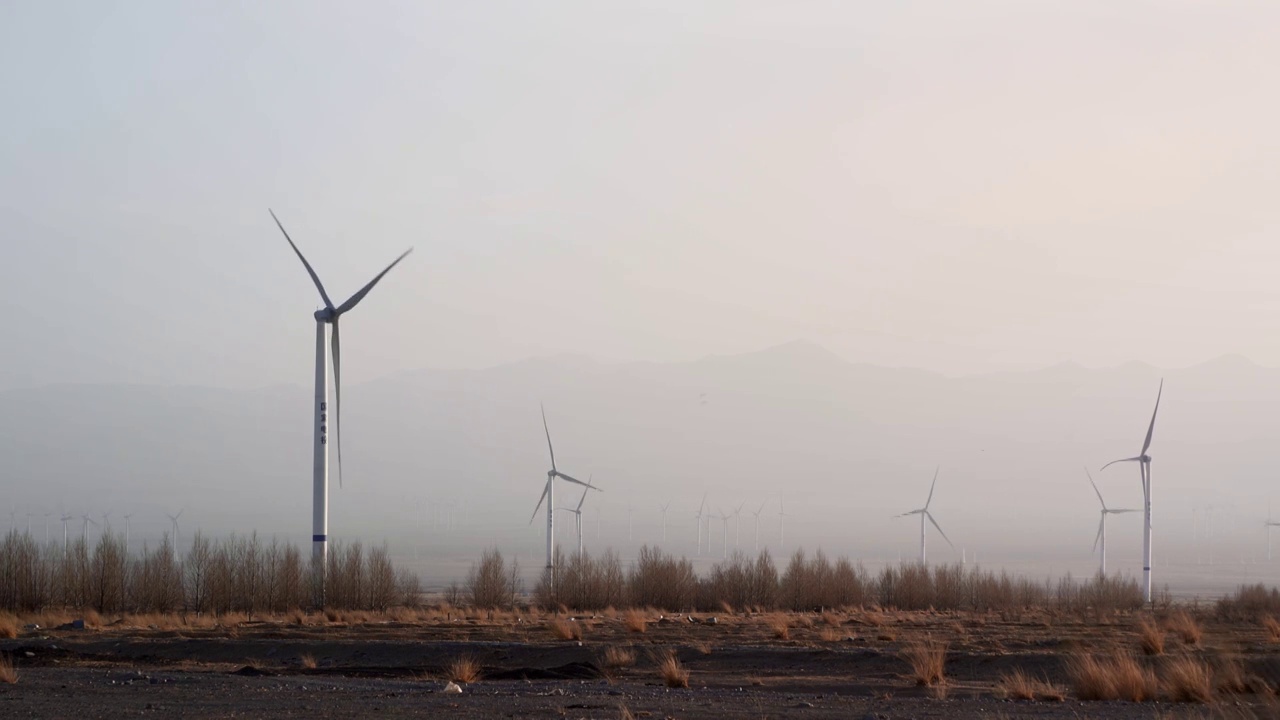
(635,621)
(1150,637)
(928,659)
(8,673)
(464,669)
(1018,685)
(1112,676)
(1187,679)
(1181,623)
(674,674)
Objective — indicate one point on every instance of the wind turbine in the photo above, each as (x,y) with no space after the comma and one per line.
(65,518)
(46,527)
(174,519)
(549,494)
(757,514)
(737,523)
(126,531)
(577,515)
(664,522)
(925,514)
(1269,524)
(1102,523)
(630,509)
(697,520)
(1144,467)
(84,530)
(328,315)
(724,519)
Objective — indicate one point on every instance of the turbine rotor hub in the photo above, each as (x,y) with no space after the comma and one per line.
(326,315)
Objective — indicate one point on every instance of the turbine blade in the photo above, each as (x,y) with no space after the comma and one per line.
(1095,489)
(562,476)
(537,507)
(584,498)
(935,483)
(935,524)
(1098,538)
(1151,428)
(314,278)
(1124,510)
(1113,462)
(548,432)
(335,349)
(355,299)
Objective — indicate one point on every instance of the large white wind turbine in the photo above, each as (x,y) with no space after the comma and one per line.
(664,522)
(1101,537)
(65,518)
(926,515)
(328,315)
(1144,467)
(724,518)
(549,494)
(737,523)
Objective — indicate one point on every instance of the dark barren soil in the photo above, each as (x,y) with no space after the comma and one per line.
(835,665)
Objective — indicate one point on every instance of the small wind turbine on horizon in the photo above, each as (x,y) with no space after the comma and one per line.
(174,519)
(577,515)
(737,524)
(1144,467)
(724,519)
(926,515)
(328,315)
(65,518)
(84,529)
(664,521)
(697,520)
(1101,537)
(757,514)
(126,531)
(1269,524)
(782,525)
(549,494)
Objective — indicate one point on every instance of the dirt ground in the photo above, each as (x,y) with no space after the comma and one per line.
(831,665)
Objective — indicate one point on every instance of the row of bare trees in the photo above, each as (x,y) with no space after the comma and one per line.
(237,574)
(809,582)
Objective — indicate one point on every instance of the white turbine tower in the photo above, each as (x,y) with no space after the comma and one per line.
(174,520)
(1144,467)
(757,514)
(737,524)
(549,494)
(577,516)
(926,515)
(724,519)
(65,518)
(664,521)
(84,529)
(697,520)
(1101,537)
(1269,524)
(126,532)
(328,315)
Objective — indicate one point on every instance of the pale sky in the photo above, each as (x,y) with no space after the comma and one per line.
(962,187)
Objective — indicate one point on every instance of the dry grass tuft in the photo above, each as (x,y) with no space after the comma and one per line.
(617,657)
(674,675)
(1150,637)
(1229,677)
(928,660)
(8,673)
(829,634)
(308,662)
(624,713)
(832,619)
(702,646)
(1188,680)
(1117,676)
(1185,627)
(463,669)
(1017,685)
(564,629)
(779,625)
(635,621)
(8,626)
(1272,627)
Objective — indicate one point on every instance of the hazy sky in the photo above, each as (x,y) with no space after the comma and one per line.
(955,186)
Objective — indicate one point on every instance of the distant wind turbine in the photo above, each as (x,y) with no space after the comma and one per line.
(1101,537)
(697,520)
(84,530)
(126,532)
(724,519)
(925,514)
(577,515)
(1270,524)
(328,315)
(65,518)
(737,523)
(549,494)
(174,519)
(782,525)
(1144,467)
(757,514)
(664,521)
